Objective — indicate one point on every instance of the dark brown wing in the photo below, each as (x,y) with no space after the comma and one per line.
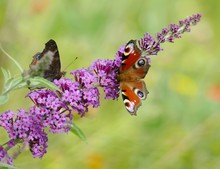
(51,67)
(54,69)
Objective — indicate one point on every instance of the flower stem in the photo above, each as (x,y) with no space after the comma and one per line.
(16,63)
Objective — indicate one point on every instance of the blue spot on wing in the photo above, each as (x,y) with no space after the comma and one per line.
(38,56)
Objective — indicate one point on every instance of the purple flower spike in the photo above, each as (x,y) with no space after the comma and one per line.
(151,46)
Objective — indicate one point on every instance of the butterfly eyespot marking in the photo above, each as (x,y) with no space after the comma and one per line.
(140,94)
(129,49)
(38,56)
(129,105)
(140,63)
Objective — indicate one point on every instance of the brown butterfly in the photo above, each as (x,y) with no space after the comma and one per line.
(134,68)
(47,62)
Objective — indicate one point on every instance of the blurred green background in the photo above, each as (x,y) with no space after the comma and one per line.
(177,126)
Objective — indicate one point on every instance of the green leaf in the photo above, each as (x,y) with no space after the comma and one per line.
(7,77)
(12,84)
(6,74)
(6,166)
(41,82)
(77,131)
(9,82)
(17,81)
(3,99)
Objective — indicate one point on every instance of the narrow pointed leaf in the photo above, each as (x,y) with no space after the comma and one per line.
(12,84)
(77,131)
(6,74)
(3,99)
(41,82)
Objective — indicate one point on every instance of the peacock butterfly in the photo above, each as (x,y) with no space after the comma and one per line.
(133,69)
(47,62)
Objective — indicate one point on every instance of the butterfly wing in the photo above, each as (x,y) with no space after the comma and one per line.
(134,65)
(54,69)
(132,94)
(51,67)
(130,56)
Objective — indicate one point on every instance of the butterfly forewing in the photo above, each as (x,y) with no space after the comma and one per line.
(131,55)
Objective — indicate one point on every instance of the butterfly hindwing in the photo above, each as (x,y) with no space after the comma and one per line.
(132,94)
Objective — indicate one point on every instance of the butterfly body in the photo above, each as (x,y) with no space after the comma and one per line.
(134,68)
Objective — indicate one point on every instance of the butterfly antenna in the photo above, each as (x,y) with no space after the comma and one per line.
(70,63)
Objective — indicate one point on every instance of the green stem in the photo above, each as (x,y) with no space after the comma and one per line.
(16,63)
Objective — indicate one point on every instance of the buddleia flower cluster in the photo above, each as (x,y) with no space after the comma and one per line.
(52,111)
